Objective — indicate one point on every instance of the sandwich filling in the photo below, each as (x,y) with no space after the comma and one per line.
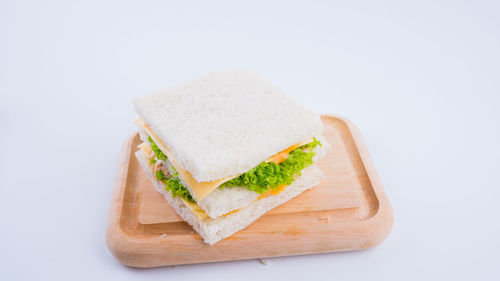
(263,179)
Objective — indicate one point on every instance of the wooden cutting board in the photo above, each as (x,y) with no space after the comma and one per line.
(347,211)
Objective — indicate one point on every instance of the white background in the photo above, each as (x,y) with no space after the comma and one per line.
(421,80)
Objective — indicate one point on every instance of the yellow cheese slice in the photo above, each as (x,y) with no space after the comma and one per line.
(200,190)
(197,210)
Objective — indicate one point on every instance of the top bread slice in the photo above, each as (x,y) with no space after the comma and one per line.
(224,124)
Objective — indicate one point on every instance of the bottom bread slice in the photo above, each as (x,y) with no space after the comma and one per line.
(212,230)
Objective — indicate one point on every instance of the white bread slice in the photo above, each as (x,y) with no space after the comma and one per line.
(214,230)
(223,124)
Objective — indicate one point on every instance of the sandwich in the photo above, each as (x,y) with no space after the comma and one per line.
(226,148)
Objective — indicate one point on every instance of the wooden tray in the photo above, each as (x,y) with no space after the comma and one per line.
(347,211)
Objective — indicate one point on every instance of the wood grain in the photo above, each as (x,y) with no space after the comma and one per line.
(348,210)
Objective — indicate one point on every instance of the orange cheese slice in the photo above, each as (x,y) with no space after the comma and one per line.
(271,192)
(283,155)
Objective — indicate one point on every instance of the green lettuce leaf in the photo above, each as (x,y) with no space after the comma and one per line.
(175,186)
(159,154)
(270,175)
